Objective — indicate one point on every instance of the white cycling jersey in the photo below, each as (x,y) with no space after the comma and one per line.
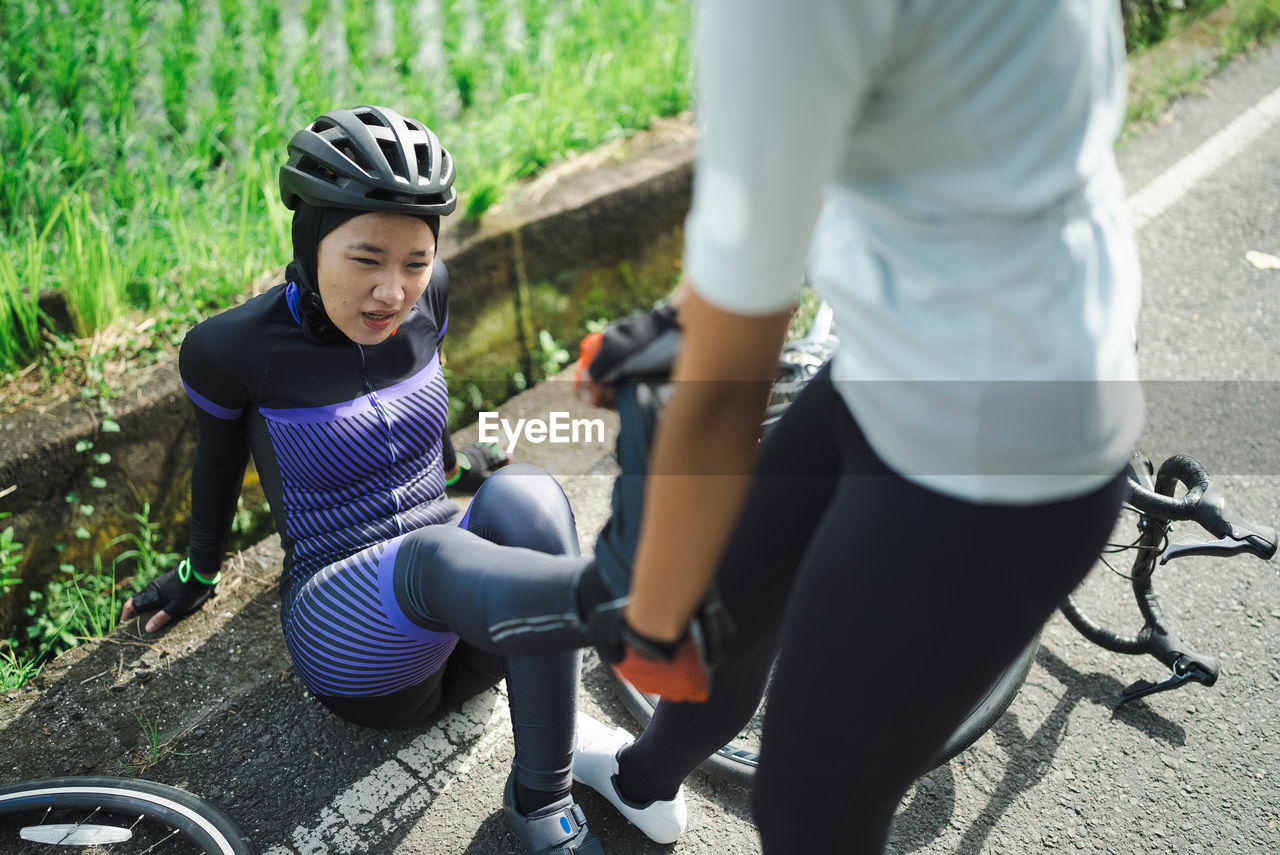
(946,170)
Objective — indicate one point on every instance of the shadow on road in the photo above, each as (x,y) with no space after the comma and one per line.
(1031,757)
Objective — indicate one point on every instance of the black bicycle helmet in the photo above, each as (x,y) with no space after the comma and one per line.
(369,159)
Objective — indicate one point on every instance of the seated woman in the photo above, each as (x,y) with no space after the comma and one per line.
(332,382)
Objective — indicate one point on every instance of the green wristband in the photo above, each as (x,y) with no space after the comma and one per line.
(464,466)
(186,574)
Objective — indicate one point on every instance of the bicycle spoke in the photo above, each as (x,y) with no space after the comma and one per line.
(173,832)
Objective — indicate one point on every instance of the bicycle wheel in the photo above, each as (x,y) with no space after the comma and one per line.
(117,815)
(738,760)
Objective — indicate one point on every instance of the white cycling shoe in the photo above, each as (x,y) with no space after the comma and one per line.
(595,762)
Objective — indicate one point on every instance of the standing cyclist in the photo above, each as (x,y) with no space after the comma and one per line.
(947,169)
(332,381)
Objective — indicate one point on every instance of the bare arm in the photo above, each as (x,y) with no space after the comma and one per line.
(711,425)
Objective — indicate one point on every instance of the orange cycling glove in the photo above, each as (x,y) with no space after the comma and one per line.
(588,350)
(640,345)
(677,672)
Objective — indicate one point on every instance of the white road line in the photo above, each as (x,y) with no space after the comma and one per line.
(1154,199)
(399,790)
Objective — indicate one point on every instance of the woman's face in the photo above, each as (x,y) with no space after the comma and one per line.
(372,270)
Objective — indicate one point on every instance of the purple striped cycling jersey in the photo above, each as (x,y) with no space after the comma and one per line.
(348,442)
(365,469)
(347,439)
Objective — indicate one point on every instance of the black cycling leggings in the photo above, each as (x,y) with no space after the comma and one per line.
(902,606)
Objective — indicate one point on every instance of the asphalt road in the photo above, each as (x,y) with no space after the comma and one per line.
(1196,770)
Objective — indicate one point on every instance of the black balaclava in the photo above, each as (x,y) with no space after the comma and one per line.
(310,225)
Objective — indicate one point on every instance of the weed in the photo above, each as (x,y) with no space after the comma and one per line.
(85,604)
(20,285)
(551,355)
(16,670)
(10,558)
(1252,22)
(249,525)
(1147,22)
(1164,81)
(148,561)
(150,754)
(1200,44)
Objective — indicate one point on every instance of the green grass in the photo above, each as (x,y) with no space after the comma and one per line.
(16,670)
(141,138)
(82,604)
(1253,22)
(149,755)
(1149,22)
(20,281)
(1167,77)
(1197,42)
(10,558)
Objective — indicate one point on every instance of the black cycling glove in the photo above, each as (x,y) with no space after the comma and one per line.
(178,593)
(476,463)
(639,345)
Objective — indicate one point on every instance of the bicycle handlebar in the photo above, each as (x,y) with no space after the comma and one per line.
(1205,504)
(1160,501)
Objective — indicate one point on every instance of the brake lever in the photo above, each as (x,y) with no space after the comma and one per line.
(1227,546)
(1235,534)
(1185,669)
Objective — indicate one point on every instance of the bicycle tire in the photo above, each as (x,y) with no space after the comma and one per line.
(93,814)
(737,761)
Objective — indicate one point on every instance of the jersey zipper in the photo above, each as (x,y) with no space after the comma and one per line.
(384,418)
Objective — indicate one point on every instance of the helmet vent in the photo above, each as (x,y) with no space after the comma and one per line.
(392,153)
(312,167)
(350,152)
(423,153)
(394,197)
